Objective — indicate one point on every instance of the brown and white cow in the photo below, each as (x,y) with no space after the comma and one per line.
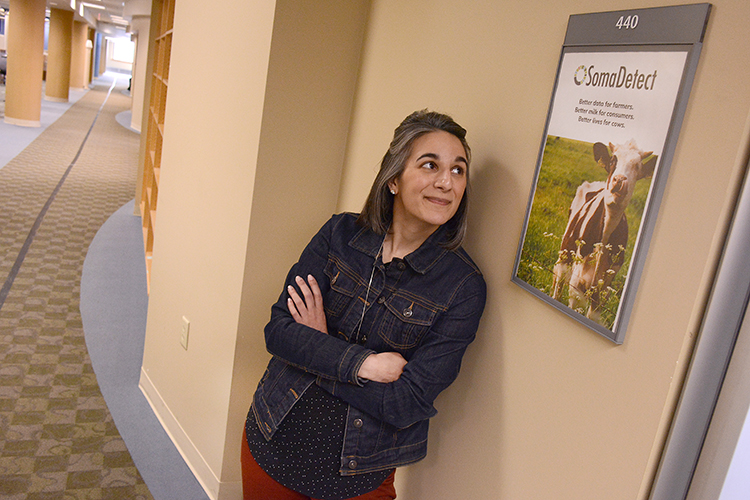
(593,246)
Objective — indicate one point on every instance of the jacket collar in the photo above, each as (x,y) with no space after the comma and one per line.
(421,260)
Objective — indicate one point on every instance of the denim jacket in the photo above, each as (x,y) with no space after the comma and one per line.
(426,307)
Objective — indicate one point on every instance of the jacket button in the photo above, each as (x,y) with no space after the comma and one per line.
(407,313)
(358,423)
(401,266)
(381,299)
(352,464)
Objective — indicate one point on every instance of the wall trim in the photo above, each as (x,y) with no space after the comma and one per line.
(722,322)
(181,440)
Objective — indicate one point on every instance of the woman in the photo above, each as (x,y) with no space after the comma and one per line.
(371,327)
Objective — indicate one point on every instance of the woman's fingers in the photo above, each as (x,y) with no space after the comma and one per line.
(296,300)
(293,310)
(307,309)
(315,291)
(306,293)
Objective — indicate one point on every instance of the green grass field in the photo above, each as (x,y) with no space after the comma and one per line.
(565,165)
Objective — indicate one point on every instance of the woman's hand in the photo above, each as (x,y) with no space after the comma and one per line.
(307,310)
(382,367)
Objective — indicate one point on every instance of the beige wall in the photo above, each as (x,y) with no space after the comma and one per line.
(308,104)
(244,182)
(207,177)
(78,56)
(57,86)
(544,408)
(141,25)
(22,102)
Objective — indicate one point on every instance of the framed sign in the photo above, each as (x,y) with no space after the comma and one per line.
(620,95)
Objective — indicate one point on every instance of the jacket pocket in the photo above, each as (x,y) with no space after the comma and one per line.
(343,288)
(405,322)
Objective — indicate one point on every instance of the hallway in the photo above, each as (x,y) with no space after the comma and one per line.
(62,435)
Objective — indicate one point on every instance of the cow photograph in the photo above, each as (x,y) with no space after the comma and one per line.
(583,223)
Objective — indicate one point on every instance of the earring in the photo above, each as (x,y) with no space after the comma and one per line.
(393,191)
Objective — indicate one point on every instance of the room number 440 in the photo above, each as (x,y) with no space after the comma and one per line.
(628,23)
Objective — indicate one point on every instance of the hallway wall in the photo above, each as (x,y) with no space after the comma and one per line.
(543,408)
(254,141)
(207,177)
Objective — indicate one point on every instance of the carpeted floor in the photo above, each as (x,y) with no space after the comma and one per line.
(57,436)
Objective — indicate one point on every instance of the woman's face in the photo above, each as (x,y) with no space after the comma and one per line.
(432,184)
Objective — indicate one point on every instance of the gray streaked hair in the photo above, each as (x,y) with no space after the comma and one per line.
(377,213)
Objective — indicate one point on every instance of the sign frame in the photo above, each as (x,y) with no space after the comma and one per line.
(667,38)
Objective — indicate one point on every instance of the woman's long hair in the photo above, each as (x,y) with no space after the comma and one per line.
(377,213)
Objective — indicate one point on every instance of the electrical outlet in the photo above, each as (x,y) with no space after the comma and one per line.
(184,332)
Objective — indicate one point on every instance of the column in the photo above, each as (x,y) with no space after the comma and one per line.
(139,14)
(140,26)
(58,55)
(78,53)
(102,54)
(25,41)
(90,55)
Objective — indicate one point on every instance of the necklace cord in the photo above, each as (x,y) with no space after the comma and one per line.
(367,294)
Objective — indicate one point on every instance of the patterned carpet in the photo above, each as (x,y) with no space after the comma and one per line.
(57,437)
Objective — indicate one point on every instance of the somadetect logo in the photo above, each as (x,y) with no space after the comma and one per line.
(580,75)
(621,78)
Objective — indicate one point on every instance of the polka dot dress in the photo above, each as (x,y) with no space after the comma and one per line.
(305,453)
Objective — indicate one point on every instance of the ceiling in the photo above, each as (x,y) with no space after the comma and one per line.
(111,12)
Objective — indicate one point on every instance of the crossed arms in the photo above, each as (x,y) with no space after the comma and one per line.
(308,310)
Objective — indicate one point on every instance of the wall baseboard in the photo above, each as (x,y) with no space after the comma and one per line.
(181,440)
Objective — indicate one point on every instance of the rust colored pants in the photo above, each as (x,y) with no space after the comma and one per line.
(257,485)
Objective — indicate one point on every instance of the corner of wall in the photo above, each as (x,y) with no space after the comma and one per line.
(313,68)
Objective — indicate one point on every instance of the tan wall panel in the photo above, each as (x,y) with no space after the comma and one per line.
(90,36)
(142,25)
(252,151)
(57,87)
(311,83)
(211,136)
(78,54)
(25,41)
(544,407)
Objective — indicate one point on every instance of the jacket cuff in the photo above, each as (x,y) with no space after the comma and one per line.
(351,362)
